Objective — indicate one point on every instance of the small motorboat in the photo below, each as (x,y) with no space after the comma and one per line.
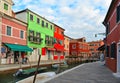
(27,72)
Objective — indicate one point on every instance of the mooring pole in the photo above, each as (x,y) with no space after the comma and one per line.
(37,69)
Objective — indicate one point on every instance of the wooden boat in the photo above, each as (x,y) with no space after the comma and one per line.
(58,65)
(27,72)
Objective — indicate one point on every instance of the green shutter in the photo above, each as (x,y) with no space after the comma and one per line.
(5,6)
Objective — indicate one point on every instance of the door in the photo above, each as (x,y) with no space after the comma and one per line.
(48,52)
(118,59)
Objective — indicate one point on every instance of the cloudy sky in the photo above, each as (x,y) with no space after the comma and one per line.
(79,18)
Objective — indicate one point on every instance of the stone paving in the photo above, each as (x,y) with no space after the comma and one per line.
(87,73)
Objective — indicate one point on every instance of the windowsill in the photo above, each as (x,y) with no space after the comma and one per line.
(118,22)
(112,58)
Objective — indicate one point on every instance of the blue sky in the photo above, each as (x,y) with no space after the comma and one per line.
(79,18)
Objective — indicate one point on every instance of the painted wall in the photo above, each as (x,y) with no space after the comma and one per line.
(66,45)
(59,44)
(36,27)
(9,3)
(79,48)
(16,28)
(113,36)
(32,25)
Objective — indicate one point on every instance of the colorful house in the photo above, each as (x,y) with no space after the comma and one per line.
(93,46)
(66,45)
(40,34)
(59,42)
(79,47)
(112,40)
(13,35)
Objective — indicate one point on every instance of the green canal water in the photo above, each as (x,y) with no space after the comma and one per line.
(7,77)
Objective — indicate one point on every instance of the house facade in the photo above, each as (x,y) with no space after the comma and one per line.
(66,45)
(112,40)
(79,47)
(40,34)
(93,46)
(13,35)
(6,7)
(59,42)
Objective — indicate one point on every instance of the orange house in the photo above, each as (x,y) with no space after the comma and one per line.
(79,47)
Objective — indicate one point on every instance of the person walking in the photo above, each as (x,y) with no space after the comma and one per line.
(101,57)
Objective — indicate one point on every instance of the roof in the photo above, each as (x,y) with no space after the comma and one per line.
(25,10)
(68,37)
(10,17)
(109,11)
(101,48)
(59,27)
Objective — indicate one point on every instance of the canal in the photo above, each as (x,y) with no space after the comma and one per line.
(7,77)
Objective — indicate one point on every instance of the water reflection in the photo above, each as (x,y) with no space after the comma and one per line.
(7,77)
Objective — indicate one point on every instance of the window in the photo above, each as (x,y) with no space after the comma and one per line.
(113,50)
(21,34)
(38,20)
(62,33)
(107,51)
(47,39)
(42,23)
(107,28)
(9,30)
(51,27)
(31,35)
(38,35)
(74,46)
(47,25)
(38,39)
(118,14)
(31,17)
(5,6)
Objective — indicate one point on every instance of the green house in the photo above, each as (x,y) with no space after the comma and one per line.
(40,34)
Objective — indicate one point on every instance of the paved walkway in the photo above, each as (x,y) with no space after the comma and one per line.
(86,73)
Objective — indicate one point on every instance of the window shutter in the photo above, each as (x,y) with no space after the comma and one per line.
(107,51)
(113,50)
(118,14)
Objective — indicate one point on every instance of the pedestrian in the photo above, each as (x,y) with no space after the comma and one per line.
(101,57)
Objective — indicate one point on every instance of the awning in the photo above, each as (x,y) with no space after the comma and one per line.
(16,47)
(101,48)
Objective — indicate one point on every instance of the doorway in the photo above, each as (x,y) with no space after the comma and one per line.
(48,52)
(118,58)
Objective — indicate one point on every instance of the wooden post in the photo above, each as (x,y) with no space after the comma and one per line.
(37,68)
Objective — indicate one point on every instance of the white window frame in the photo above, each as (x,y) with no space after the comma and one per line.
(23,34)
(11,30)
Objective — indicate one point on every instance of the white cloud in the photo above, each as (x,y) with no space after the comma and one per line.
(78,18)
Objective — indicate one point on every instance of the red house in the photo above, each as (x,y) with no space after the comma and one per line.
(112,40)
(79,47)
(59,42)
(13,35)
